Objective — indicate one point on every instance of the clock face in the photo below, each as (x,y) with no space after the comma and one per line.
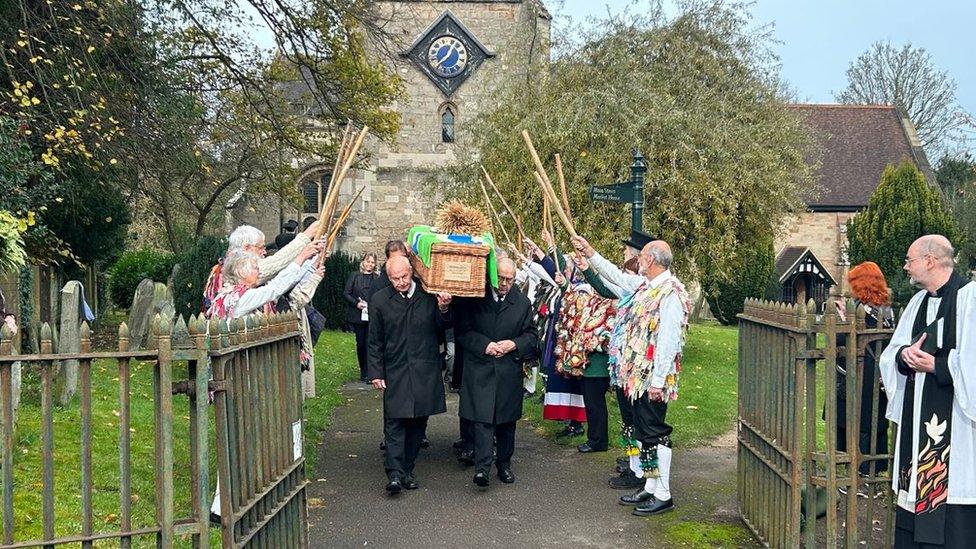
(447,56)
(447,53)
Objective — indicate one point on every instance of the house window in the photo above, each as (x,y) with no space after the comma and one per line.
(448,115)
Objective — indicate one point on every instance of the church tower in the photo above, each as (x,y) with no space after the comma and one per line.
(454,54)
(451,57)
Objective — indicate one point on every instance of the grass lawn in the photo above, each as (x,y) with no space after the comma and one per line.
(335,363)
(707,403)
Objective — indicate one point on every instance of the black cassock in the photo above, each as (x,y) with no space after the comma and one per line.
(491,389)
(403,351)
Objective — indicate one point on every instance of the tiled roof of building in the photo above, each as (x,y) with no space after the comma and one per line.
(857,142)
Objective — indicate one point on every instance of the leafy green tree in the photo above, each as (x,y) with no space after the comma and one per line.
(957,178)
(195,265)
(749,279)
(902,208)
(697,93)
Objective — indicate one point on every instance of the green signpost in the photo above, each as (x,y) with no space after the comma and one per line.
(629,191)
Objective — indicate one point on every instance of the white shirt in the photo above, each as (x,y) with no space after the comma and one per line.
(668,343)
(413,286)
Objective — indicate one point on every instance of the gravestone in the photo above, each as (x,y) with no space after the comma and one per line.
(66,384)
(163,301)
(141,313)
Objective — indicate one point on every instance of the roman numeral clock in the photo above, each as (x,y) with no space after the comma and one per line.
(448,53)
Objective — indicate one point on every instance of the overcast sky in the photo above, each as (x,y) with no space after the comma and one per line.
(819,39)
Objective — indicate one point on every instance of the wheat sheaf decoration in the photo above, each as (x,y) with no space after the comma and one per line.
(455,218)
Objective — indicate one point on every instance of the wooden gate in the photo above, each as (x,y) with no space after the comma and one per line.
(790,469)
(258,403)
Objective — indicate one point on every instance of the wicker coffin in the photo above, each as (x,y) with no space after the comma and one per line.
(457,269)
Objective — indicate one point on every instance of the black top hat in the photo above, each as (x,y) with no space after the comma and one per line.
(638,239)
(289,225)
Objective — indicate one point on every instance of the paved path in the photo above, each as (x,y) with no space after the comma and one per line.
(560,497)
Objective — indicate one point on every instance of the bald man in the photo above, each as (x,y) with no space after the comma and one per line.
(496,335)
(647,361)
(405,365)
(929,375)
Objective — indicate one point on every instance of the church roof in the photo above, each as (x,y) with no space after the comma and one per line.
(857,142)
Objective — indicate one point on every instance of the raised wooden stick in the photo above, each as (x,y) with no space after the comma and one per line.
(548,227)
(331,192)
(337,179)
(562,188)
(543,179)
(515,218)
(494,213)
(334,230)
(551,195)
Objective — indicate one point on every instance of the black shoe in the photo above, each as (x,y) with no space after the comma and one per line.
(623,462)
(654,507)
(466,457)
(481,479)
(570,431)
(636,498)
(585,448)
(394,486)
(621,468)
(425,443)
(626,481)
(410,483)
(506,475)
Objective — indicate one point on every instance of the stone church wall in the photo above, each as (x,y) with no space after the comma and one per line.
(397,193)
(825,234)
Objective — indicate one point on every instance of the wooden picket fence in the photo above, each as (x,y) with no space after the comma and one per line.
(790,470)
(258,402)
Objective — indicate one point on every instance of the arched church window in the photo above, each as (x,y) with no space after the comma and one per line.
(448,116)
(312,191)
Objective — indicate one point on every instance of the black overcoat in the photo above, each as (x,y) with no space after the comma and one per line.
(491,390)
(357,287)
(403,351)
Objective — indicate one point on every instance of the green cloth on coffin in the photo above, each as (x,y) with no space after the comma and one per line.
(421,239)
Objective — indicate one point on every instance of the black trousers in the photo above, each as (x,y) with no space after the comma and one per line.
(626,408)
(466,428)
(402,437)
(595,401)
(362,346)
(650,427)
(960,528)
(485,435)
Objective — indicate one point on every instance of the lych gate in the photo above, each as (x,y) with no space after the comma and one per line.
(790,470)
(257,397)
(802,276)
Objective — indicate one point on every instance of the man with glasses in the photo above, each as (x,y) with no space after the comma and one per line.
(496,335)
(929,374)
(645,355)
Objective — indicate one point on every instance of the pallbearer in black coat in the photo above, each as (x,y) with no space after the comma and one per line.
(497,336)
(404,363)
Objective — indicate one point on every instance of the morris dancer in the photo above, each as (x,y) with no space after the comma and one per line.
(645,353)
